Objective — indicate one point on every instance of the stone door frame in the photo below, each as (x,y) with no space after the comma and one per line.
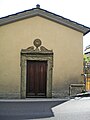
(37,54)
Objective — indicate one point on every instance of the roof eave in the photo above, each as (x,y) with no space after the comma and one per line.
(48,15)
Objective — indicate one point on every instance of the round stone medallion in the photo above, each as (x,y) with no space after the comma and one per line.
(37,43)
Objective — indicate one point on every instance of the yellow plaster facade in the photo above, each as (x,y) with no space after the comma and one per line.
(66,43)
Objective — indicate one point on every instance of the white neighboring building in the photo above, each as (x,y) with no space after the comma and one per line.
(87,51)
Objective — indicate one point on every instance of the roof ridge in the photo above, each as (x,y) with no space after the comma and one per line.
(46,14)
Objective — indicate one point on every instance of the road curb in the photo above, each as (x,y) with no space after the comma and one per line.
(32,100)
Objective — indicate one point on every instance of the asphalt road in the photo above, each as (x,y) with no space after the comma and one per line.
(25,110)
(74,109)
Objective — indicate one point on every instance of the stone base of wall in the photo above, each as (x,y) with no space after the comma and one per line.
(9,95)
(65,93)
(60,95)
(55,94)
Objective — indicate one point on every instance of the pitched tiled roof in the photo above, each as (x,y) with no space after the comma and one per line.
(45,14)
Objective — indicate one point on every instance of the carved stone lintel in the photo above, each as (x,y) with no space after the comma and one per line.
(42,48)
(30,48)
(39,49)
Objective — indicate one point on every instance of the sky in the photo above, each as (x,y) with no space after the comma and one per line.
(76,10)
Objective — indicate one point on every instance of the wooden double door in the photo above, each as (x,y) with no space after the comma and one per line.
(36,79)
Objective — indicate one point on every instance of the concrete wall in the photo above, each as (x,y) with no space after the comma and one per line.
(65,42)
